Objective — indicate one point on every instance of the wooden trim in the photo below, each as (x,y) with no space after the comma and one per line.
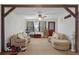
(67,16)
(38,5)
(2,29)
(76,28)
(9,11)
(39,25)
(66,8)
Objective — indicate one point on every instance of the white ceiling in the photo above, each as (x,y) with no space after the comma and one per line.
(35,11)
(32,13)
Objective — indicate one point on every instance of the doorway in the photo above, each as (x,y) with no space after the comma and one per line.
(51,28)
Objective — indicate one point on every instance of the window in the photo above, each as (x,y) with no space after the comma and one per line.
(35,26)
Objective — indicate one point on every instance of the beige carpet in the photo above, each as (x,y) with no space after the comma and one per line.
(41,46)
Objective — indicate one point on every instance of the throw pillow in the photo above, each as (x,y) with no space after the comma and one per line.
(20,36)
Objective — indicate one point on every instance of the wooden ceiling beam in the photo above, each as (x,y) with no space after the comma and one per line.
(39,5)
(67,9)
(9,11)
(69,15)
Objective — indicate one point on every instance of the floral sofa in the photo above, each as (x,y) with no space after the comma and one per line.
(19,40)
(60,41)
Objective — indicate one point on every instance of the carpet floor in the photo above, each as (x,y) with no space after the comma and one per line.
(41,46)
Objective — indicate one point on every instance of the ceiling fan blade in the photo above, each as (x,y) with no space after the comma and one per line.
(44,16)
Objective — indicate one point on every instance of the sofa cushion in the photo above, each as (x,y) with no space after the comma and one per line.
(62,37)
(61,44)
(55,35)
(22,35)
(59,36)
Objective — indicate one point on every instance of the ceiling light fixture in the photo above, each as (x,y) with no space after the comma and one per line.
(40,16)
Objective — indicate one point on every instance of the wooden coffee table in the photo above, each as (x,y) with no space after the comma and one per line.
(36,35)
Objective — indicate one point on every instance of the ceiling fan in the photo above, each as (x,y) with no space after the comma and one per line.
(40,16)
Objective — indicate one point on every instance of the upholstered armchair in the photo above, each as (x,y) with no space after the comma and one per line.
(19,40)
(60,41)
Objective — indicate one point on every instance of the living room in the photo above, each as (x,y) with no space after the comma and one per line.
(37,23)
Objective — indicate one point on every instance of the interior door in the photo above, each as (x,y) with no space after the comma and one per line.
(51,27)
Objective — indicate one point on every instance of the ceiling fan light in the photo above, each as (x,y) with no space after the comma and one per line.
(39,18)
